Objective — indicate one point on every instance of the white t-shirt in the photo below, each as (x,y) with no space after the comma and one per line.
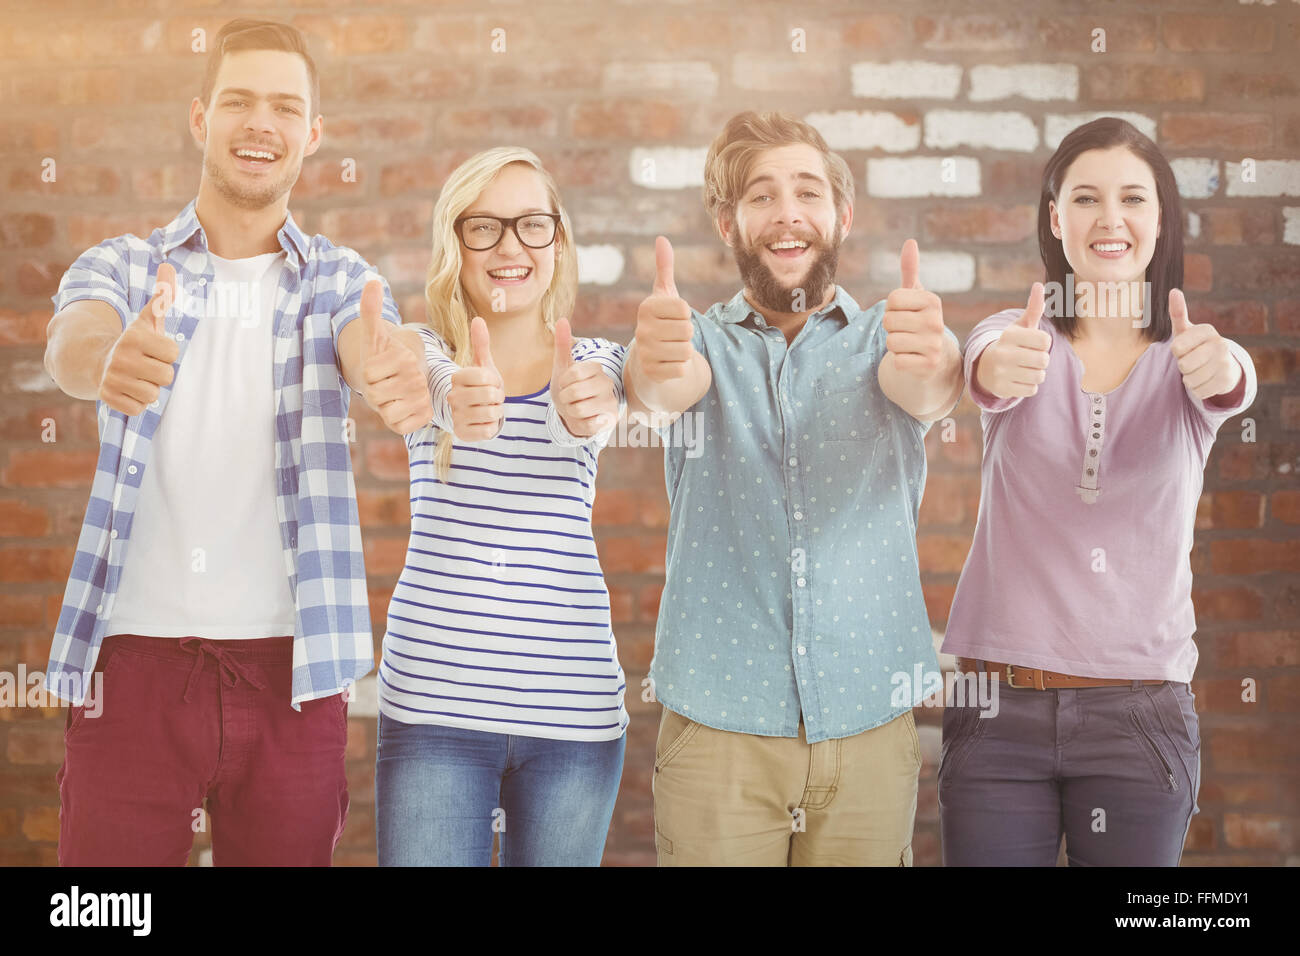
(204,556)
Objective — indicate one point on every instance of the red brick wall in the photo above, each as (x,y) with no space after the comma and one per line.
(411,88)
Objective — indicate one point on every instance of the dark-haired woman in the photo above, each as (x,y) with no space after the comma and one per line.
(1075,600)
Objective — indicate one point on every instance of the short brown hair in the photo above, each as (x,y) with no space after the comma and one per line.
(746,135)
(248,34)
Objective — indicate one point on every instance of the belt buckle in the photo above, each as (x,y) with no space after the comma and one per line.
(1039,684)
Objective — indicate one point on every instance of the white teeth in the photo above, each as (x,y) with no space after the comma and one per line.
(255,154)
(508,273)
(1110,246)
(789,244)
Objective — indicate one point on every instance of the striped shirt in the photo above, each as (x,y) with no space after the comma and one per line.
(320,535)
(500,619)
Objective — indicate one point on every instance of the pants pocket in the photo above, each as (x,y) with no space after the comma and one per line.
(675,732)
(962,729)
(1159,760)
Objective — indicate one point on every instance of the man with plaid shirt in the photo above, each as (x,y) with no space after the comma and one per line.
(217,603)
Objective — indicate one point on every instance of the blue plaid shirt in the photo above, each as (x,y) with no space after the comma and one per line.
(793,588)
(320,534)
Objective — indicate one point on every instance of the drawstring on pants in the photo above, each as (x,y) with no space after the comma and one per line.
(229,664)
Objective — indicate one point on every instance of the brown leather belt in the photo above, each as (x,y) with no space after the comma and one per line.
(1017,676)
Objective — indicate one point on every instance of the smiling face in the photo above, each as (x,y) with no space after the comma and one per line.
(511,276)
(256,131)
(1108,217)
(786,233)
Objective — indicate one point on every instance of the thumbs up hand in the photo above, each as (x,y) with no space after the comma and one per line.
(395,384)
(1208,367)
(478,393)
(663,323)
(139,365)
(581,392)
(914,322)
(1016,364)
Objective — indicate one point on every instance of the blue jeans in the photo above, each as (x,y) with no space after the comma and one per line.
(442,792)
(1114,769)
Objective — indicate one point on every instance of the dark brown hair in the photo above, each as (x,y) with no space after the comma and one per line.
(248,34)
(1165,270)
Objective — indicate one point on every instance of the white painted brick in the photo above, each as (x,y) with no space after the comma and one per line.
(948,129)
(1056,126)
(941,272)
(1273,177)
(848,129)
(1197,178)
(906,80)
(1033,81)
(667,167)
(638,214)
(599,265)
(1291,225)
(696,77)
(365,698)
(897,178)
(29,375)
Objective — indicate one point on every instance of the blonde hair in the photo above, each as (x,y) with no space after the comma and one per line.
(746,135)
(446,302)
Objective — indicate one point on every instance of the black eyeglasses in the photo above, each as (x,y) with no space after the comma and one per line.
(537,230)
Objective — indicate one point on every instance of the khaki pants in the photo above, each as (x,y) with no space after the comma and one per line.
(731,799)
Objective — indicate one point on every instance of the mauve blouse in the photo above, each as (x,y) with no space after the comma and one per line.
(1080,561)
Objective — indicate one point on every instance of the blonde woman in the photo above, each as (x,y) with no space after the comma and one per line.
(501,695)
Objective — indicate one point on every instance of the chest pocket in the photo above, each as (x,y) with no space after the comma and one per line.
(843,399)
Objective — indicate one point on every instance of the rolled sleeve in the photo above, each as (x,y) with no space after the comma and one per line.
(1216,415)
(359,273)
(99,273)
(439,369)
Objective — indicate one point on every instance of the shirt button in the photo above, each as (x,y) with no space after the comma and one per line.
(800,581)
(1091,472)
(180,336)
(793,462)
(1096,400)
(1093,453)
(131,470)
(798,516)
(802,650)
(113,533)
(1096,434)
(154,403)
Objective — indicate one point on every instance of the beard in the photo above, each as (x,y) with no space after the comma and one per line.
(248,196)
(767,291)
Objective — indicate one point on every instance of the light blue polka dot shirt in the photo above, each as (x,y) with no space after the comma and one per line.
(792,584)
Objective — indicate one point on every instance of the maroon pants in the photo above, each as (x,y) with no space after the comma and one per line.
(182,720)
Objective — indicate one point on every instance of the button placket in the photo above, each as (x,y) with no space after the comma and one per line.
(1093,438)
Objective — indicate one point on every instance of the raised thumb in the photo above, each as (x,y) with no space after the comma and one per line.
(1034,308)
(1178,312)
(480,343)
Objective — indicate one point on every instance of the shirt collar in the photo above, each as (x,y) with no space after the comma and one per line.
(739,309)
(181,230)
